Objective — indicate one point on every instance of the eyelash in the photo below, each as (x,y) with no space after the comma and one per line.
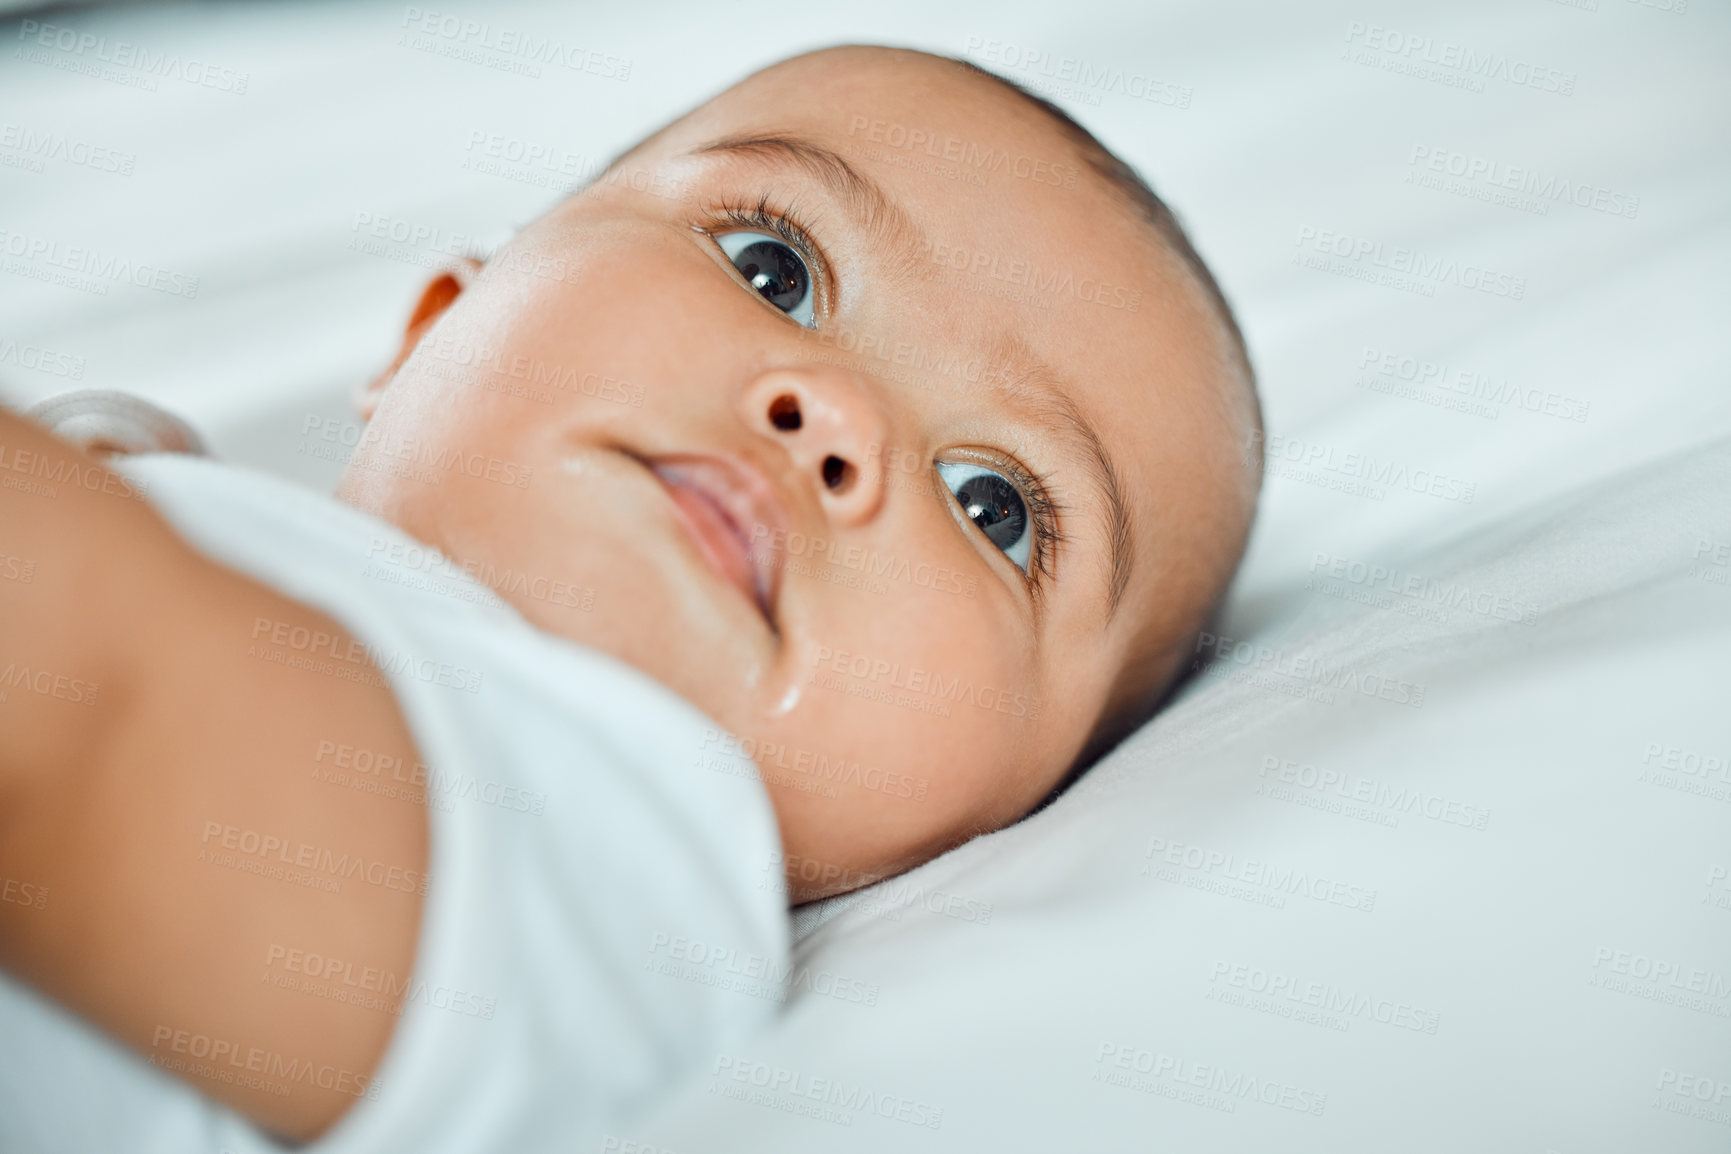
(1044,512)
(783,223)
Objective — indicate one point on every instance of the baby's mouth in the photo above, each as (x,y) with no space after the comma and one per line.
(723,504)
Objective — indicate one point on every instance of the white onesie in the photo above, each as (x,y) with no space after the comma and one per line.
(602,870)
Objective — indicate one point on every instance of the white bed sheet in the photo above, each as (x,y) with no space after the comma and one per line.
(1289,131)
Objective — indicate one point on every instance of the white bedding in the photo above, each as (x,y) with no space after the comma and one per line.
(1556,465)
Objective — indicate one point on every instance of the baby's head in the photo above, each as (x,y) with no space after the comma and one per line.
(891,420)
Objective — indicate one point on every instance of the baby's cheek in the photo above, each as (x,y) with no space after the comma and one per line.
(995,746)
(940,714)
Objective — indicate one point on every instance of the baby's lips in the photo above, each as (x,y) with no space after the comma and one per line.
(738,516)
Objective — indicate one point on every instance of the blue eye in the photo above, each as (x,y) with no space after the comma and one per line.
(772,267)
(994,505)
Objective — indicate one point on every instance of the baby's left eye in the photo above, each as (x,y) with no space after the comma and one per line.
(775,270)
(995,505)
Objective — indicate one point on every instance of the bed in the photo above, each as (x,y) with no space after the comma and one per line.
(1433,851)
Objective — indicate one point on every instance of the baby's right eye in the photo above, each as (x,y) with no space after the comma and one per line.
(994,505)
(772,267)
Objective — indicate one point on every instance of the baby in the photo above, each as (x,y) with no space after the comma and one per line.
(873,408)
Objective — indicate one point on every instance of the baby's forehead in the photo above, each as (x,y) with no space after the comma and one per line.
(948,142)
(906,93)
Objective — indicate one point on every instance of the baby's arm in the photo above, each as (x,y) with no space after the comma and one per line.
(145,759)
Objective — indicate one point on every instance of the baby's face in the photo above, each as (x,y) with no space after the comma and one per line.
(891,441)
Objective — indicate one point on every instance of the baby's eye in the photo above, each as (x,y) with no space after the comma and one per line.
(775,270)
(994,504)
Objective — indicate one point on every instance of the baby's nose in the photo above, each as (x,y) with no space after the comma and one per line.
(832,426)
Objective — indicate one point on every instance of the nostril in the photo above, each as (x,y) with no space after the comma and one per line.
(838,475)
(784,413)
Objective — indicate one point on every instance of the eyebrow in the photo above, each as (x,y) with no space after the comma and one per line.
(1054,409)
(890,228)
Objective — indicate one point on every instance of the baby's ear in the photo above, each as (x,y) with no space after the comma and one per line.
(446,286)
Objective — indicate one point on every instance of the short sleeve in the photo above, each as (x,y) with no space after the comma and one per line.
(582,818)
